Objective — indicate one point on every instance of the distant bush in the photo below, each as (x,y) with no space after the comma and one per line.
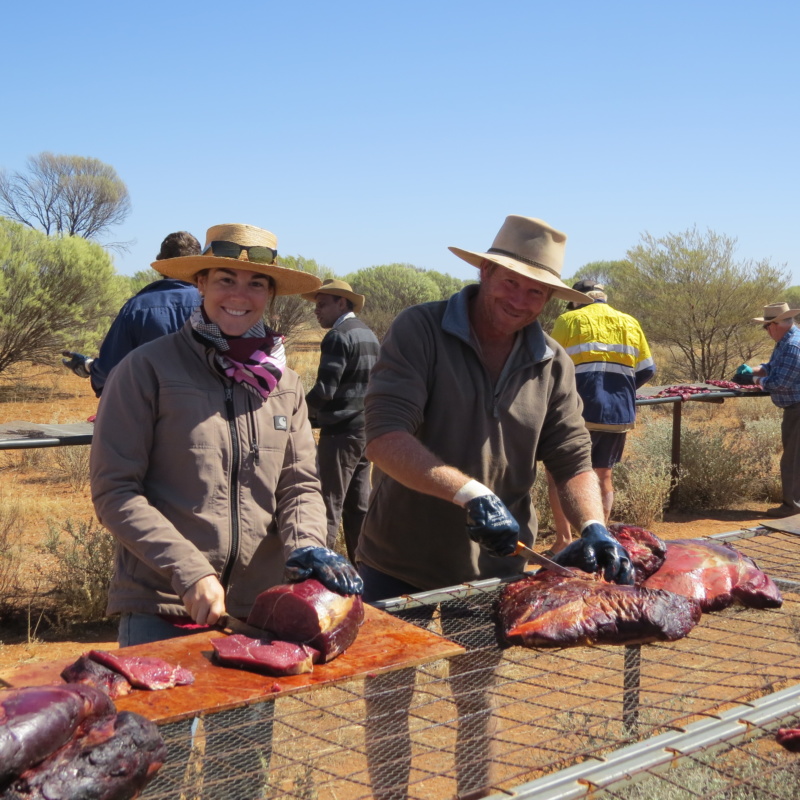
(82,565)
(720,468)
(764,434)
(643,480)
(11,531)
(72,463)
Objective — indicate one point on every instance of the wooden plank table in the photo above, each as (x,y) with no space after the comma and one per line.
(384,643)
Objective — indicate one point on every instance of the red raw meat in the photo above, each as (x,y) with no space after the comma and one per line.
(144,672)
(647,552)
(549,610)
(87,671)
(308,613)
(265,655)
(35,721)
(789,738)
(112,760)
(715,575)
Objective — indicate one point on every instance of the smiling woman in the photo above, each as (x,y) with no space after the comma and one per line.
(235,299)
(211,484)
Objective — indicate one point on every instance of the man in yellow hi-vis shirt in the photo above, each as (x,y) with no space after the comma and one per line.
(612,360)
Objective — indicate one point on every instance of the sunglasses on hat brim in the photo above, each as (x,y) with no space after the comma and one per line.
(255,253)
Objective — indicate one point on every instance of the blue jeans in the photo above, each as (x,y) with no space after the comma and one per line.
(147,628)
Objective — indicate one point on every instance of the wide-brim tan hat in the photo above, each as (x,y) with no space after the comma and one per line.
(226,237)
(531,248)
(340,289)
(776,312)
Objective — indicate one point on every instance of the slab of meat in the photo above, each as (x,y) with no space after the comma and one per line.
(308,613)
(647,552)
(789,738)
(112,760)
(715,575)
(549,610)
(272,657)
(87,671)
(144,672)
(35,721)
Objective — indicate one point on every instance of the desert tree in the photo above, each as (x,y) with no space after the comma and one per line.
(390,288)
(55,294)
(67,195)
(694,298)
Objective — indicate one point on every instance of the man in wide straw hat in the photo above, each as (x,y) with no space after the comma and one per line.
(781,378)
(467,395)
(336,401)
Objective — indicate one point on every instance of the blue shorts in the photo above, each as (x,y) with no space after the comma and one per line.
(607,448)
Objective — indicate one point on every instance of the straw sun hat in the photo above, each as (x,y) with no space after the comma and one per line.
(339,289)
(230,246)
(531,248)
(777,312)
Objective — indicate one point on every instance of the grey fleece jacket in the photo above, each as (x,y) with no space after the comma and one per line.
(429,381)
(195,476)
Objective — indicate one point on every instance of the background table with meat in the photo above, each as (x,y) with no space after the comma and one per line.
(568,721)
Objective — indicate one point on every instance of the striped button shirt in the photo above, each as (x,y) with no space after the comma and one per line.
(783,371)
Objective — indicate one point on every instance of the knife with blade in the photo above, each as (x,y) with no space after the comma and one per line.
(544,561)
(229,624)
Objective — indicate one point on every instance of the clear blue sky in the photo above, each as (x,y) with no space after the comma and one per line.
(367,133)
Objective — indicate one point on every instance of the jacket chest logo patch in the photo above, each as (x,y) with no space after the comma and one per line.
(281,423)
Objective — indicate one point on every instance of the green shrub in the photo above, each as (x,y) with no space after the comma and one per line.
(72,463)
(764,434)
(643,479)
(720,468)
(641,491)
(82,564)
(11,530)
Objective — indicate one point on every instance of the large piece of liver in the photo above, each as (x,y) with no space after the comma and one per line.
(308,613)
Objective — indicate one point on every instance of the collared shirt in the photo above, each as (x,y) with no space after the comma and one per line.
(347,315)
(782,380)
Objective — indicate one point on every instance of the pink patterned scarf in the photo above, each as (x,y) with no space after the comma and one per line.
(256,360)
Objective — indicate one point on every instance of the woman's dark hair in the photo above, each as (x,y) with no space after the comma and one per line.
(177,244)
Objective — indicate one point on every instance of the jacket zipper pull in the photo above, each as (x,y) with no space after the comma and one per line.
(254,450)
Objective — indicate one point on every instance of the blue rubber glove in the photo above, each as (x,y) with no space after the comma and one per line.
(77,363)
(743,370)
(489,523)
(333,571)
(598,550)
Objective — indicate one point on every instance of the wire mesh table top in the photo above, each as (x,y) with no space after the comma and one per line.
(498,721)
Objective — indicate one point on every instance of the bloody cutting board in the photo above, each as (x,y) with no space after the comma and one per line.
(383,643)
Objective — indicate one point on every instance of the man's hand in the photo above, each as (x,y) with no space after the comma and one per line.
(743,370)
(489,523)
(205,601)
(597,550)
(333,571)
(79,364)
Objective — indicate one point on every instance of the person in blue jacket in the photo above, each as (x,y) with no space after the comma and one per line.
(612,360)
(160,308)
